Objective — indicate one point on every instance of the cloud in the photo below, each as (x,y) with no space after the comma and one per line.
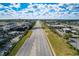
(39,11)
(17,5)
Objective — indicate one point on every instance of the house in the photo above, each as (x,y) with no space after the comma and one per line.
(9,26)
(74,32)
(57,26)
(66,30)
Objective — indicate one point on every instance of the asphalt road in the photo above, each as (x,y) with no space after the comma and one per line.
(36,45)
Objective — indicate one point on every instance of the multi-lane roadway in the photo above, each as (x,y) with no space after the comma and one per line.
(37,44)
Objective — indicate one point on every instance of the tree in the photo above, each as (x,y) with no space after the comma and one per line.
(67,36)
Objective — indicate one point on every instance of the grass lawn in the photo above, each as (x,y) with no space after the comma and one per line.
(20,43)
(59,44)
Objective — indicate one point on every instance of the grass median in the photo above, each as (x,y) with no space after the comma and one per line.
(61,48)
(20,43)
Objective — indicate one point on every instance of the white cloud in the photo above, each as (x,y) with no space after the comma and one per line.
(17,5)
(1,6)
(41,12)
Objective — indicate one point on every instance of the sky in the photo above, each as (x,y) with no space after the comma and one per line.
(39,11)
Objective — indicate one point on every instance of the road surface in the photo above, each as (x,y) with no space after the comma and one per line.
(36,45)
